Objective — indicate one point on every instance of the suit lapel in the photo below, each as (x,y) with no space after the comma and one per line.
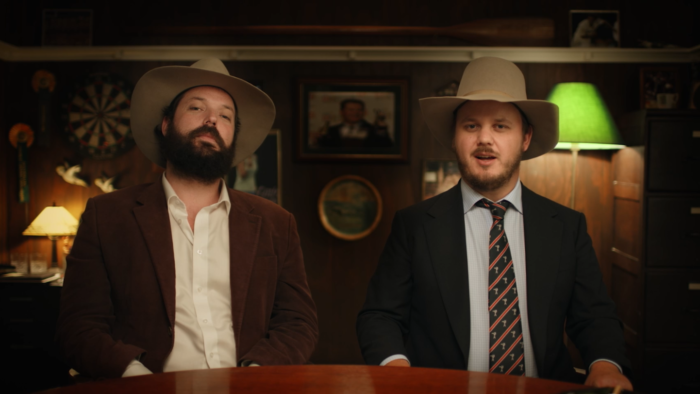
(448,253)
(154,222)
(244,233)
(543,234)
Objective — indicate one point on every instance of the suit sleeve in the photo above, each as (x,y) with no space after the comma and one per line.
(293,328)
(87,315)
(592,321)
(383,321)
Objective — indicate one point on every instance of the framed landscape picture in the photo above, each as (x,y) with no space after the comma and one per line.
(358,119)
(261,173)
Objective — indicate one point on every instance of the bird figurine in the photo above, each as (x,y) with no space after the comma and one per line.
(70,174)
(105,184)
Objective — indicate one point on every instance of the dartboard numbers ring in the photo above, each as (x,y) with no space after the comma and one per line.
(98,116)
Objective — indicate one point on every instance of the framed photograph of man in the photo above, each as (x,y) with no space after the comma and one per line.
(439,176)
(261,173)
(594,28)
(358,119)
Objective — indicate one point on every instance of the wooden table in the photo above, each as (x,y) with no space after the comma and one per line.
(322,379)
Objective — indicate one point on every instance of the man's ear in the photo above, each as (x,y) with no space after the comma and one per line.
(164,125)
(527,138)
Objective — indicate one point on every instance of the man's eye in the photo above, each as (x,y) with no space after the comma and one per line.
(194,108)
(225,117)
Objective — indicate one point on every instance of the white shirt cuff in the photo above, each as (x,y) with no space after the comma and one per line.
(605,359)
(135,368)
(394,357)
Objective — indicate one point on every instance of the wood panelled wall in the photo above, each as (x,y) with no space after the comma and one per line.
(338,271)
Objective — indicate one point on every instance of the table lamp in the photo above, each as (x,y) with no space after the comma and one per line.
(53,222)
(584,122)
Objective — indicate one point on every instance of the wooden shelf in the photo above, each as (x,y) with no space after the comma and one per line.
(13,53)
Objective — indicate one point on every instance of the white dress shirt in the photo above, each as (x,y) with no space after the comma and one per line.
(203,323)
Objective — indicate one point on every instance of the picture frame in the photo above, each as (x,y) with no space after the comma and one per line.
(659,87)
(261,173)
(594,28)
(66,27)
(352,120)
(439,176)
(350,207)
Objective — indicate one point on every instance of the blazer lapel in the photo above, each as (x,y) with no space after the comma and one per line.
(448,252)
(543,234)
(154,222)
(244,233)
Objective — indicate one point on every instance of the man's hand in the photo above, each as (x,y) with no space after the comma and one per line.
(398,363)
(605,374)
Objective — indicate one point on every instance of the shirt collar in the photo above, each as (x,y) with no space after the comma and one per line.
(470,197)
(170,194)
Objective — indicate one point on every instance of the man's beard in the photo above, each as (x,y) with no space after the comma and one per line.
(197,161)
(487,182)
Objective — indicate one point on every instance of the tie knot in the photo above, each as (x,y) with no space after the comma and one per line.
(498,209)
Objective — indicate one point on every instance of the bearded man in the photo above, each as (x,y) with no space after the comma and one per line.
(184,273)
(486,276)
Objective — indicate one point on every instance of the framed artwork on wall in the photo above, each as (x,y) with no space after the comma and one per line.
(594,28)
(659,87)
(352,119)
(350,207)
(261,173)
(439,176)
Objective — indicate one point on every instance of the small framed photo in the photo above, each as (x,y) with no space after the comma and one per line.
(659,87)
(350,207)
(439,176)
(261,173)
(594,28)
(350,120)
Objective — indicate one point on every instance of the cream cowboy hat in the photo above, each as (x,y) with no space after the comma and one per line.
(492,78)
(158,87)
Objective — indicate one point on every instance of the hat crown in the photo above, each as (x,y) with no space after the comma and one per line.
(494,75)
(211,64)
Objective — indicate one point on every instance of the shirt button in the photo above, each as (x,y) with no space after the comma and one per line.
(199,289)
(199,251)
(179,221)
(205,321)
(211,355)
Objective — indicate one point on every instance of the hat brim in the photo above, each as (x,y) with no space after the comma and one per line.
(542,115)
(158,87)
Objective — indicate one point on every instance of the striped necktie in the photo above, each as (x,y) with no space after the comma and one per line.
(505,330)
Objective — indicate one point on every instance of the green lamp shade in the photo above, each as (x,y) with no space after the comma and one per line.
(584,120)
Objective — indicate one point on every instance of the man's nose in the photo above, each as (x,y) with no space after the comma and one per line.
(484,136)
(210,118)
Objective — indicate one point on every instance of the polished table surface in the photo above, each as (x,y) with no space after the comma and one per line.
(322,379)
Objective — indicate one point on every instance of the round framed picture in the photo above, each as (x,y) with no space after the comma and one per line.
(350,207)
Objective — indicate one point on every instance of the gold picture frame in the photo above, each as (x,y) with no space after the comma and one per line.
(350,207)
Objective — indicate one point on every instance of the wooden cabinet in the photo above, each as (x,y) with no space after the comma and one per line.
(28,314)
(655,273)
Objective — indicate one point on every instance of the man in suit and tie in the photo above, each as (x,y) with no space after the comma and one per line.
(485,276)
(184,273)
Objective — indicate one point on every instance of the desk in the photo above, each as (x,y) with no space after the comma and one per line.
(322,379)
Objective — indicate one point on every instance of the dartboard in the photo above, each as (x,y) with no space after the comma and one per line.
(97,116)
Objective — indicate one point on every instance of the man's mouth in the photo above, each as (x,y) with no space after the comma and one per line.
(485,158)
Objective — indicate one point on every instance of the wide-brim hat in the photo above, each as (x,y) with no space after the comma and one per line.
(158,87)
(492,78)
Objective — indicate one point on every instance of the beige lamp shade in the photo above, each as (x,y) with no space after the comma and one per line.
(53,221)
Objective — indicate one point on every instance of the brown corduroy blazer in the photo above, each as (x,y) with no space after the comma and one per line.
(118,299)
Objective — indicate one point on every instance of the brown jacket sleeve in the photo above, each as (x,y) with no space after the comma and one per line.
(293,326)
(87,314)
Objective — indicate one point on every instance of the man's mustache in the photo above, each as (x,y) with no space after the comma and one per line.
(208,130)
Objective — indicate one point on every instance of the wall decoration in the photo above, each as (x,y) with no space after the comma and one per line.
(439,176)
(695,95)
(70,174)
(357,119)
(261,173)
(350,207)
(22,137)
(659,87)
(105,184)
(97,116)
(594,28)
(43,82)
(66,27)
